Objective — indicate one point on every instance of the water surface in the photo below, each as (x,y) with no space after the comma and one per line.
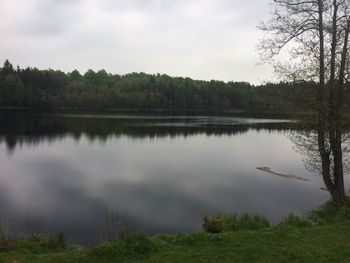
(162,173)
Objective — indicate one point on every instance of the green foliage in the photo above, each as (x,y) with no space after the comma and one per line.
(50,89)
(8,243)
(322,243)
(291,241)
(138,245)
(110,249)
(35,244)
(38,244)
(213,224)
(255,222)
(329,213)
(294,221)
(57,242)
(179,239)
(228,223)
(183,239)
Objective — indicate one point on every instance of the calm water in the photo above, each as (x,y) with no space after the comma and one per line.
(162,173)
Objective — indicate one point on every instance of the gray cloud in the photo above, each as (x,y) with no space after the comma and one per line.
(51,18)
(202,39)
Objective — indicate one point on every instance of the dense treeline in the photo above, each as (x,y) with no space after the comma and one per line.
(52,89)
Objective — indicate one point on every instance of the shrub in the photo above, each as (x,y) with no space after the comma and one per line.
(57,242)
(110,249)
(329,213)
(140,244)
(213,224)
(229,223)
(37,244)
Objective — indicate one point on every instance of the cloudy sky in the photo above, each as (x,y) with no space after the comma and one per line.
(201,39)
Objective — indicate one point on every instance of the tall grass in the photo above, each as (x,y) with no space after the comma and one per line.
(229,223)
(34,225)
(7,243)
(294,221)
(118,228)
(33,240)
(137,245)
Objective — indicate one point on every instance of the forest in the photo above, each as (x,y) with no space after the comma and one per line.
(101,91)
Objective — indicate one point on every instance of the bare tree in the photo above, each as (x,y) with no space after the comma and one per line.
(315,36)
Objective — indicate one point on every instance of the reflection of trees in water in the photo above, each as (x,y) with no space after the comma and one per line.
(307,143)
(33,130)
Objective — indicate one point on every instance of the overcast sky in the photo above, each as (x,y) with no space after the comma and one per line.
(201,39)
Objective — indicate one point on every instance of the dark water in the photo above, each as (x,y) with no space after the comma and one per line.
(162,173)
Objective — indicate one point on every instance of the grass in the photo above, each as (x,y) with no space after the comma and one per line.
(321,237)
(324,243)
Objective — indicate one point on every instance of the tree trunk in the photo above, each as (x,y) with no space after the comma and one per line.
(337,149)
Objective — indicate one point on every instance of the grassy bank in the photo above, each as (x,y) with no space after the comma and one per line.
(327,243)
(322,237)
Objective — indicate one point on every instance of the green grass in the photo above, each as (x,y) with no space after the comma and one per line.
(323,236)
(323,243)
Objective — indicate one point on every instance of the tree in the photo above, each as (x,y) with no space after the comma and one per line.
(8,68)
(54,89)
(315,34)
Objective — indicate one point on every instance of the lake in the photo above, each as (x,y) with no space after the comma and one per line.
(161,174)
